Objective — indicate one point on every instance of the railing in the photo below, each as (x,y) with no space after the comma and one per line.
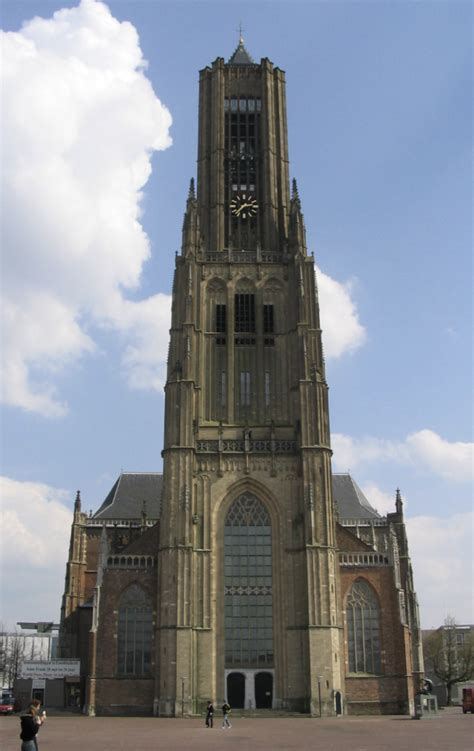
(363,559)
(239,446)
(375,522)
(131,561)
(92,522)
(243,256)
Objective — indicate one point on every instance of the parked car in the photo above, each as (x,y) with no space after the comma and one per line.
(467,700)
(7,705)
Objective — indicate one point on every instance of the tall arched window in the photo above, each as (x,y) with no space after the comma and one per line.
(248,584)
(363,629)
(134,632)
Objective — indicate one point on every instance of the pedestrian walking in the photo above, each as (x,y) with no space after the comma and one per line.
(226,710)
(209,715)
(29,728)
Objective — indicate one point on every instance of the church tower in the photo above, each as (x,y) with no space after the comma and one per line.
(248,577)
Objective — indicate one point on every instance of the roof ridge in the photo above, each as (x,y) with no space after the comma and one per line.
(140,473)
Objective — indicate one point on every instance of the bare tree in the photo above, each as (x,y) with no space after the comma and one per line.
(451,653)
(16,656)
(12,654)
(3,655)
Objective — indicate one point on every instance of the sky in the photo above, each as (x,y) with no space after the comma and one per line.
(99,139)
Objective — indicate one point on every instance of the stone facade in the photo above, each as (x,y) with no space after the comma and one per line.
(262,620)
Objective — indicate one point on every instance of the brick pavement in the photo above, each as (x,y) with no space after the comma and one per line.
(451,731)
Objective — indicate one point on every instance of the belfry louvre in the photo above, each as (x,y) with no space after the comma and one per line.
(247,570)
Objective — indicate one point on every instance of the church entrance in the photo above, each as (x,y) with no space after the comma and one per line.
(236,690)
(264,690)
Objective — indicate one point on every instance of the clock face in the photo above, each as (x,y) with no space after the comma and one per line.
(244,205)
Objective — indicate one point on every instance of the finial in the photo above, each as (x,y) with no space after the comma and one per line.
(295,195)
(77,502)
(398,502)
(191,193)
(241,56)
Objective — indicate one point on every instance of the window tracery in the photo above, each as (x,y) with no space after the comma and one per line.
(134,632)
(363,629)
(248,584)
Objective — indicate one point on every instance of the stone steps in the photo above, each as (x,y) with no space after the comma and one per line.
(268,713)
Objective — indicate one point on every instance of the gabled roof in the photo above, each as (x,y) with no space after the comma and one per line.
(132,489)
(241,56)
(351,502)
(129,493)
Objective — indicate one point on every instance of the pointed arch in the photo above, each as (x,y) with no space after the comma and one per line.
(272,286)
(363,628)
(216,285)
(135,631)
(248,592)
(244,285)
(216,299)
(215,324)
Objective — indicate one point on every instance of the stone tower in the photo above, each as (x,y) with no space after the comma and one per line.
(248,578)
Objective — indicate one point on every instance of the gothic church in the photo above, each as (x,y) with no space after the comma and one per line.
(247,570)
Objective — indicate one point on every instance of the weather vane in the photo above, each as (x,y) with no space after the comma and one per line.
(241,39)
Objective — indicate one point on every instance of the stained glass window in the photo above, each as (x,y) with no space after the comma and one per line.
(363,629)
(248,595)
(134,632)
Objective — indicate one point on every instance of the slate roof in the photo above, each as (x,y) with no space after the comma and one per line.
(351,502)
(241,56)
(125,500)
(130,491)
(146,544)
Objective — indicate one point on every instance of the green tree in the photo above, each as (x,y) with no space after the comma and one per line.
(451,654)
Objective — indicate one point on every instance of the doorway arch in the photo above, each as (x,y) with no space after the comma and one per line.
(236,690)
(263,690)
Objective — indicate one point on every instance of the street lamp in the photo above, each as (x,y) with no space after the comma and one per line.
(319,695)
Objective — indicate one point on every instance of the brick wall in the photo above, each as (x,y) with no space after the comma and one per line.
(115,694)
(392,691)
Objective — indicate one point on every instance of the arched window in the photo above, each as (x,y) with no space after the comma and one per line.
(248,584)
(215,392)
(363,629)
(134,632)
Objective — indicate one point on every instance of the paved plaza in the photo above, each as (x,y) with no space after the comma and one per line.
(451,731)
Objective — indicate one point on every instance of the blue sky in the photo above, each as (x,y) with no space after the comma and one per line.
(378,98)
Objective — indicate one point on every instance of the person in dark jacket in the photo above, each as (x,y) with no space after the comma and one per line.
(209,715)
(40,717)
(29,728)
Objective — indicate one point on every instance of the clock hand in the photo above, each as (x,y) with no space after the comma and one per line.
(241,208)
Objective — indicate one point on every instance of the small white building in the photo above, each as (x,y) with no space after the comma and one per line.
(31,641)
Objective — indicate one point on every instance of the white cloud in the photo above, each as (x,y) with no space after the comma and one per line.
(380,500)
(441,552)
(35,526)
(450,460)
(424,449)
(342,331)
(81,121)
